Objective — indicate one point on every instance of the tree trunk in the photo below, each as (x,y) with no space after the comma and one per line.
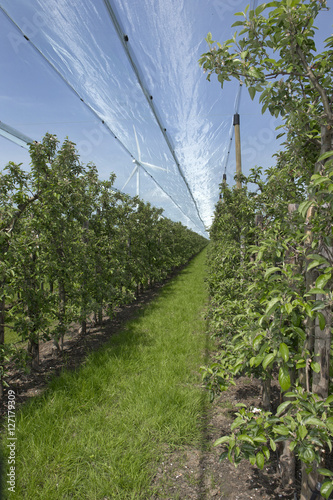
(322,348)
(33,350)
(266,393)
(83,327)
(287,459)
(321,339)
(62,295)
(287,465)
(309,483)
(62,308)
(34,313)
(100,316)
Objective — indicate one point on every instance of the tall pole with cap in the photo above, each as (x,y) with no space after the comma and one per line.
(238,151)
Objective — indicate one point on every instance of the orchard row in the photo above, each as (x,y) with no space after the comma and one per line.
(71,246)
(271,261)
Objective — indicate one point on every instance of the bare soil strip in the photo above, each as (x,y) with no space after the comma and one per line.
(196,474)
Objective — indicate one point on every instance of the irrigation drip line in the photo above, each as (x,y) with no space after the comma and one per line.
(135,67)
(69,85)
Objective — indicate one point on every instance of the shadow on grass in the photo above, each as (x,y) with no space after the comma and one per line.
(120,337)
(205,437)
(78,348)
(2,476)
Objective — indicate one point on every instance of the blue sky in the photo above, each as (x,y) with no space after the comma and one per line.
(167,39)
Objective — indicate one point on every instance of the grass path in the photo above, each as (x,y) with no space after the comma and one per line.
(100,433)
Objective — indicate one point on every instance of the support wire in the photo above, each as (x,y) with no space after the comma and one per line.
(135,66)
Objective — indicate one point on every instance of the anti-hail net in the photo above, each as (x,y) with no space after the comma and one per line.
(122,80)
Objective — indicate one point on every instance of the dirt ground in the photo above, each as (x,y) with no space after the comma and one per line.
(187,473)
(196,474)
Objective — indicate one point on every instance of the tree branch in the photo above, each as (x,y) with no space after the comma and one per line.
(20,211)
(316,84)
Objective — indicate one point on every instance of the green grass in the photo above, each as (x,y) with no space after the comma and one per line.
(11,337)
(100,432)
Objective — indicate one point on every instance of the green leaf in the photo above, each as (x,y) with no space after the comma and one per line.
(257,360)
(315,366)
(270,61)
(325,155)
(318,305)
(260,8)
(322,280)
(288,308)
(326,489)
(271,270)
(314,421)
(290,395)
(272,305)
(292,445)
(236,423)
(302,431)
(257,340)
(319,179)
(209,38)
(284,378)
(329,399)
(318,258)
(260,460)
(223,456)
(282,407)
(313,264)
(325,472)
(237,23)
(260,254)
(316,291)
(304,207)
(281,429)
(300,332)
(322,320)
(315,440)
(268,359)
(329,424)
(244,437)
(266,452)
(253,71)
(221,440)
(308,455)
(272,444)
(260,439)
(284,352)
(252,92)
